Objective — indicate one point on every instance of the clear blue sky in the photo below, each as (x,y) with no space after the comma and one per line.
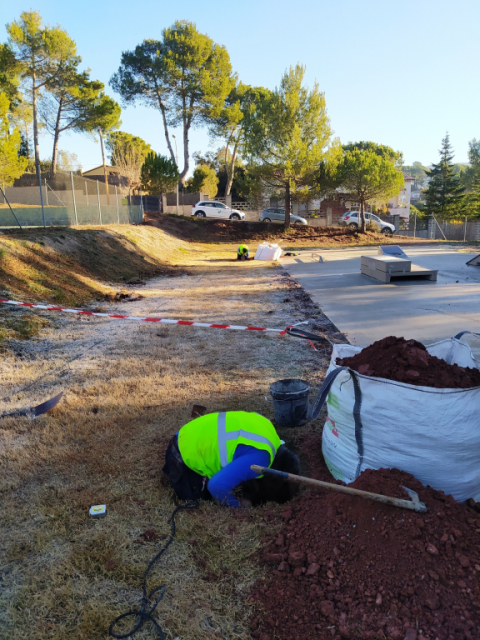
(395,72)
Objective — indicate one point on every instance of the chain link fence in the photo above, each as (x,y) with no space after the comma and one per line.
(68,200)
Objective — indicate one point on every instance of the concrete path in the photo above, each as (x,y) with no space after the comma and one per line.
(367,310)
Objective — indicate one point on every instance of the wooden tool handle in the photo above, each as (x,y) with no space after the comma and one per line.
(397,502)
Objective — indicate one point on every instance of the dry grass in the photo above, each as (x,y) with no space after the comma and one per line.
(132,387)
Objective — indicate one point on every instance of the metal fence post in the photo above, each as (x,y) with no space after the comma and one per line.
(73,198)
(46,192)
(86,190)
(116,198)
(99,206)
(39,178)
(465,230)
(140,209)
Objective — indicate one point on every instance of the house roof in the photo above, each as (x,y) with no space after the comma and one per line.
(407,178)
(109,168)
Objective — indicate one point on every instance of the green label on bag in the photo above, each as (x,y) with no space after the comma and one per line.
(333,400)
(335,471)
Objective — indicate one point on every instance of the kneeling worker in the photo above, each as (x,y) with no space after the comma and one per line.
(242,253)
(212,455)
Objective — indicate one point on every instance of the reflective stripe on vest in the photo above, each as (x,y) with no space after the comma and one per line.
(224,437)
(208,443)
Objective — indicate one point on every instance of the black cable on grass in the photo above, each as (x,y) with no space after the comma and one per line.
(144,614)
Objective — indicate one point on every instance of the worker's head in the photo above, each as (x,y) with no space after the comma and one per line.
(271,488)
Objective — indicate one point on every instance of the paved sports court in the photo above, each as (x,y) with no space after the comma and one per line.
(367,310)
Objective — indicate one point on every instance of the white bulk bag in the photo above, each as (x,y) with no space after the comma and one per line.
(431,433)
(267,251)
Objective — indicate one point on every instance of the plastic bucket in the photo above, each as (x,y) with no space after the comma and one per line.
(290,402)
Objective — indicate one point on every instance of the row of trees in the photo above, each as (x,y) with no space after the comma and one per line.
(452,190)
(280,140)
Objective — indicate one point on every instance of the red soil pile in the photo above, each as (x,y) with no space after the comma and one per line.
(346,567)
(409,361)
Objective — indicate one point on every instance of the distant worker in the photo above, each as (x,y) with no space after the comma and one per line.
(211,456)
(242,253)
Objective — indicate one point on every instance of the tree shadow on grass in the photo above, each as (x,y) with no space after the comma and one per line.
(70,266)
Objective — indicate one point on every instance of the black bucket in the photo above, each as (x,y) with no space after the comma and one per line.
(290,402)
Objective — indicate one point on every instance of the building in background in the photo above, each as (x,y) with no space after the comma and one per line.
(400,204)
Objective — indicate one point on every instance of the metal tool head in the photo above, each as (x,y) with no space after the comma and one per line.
(420,507)
(33,412)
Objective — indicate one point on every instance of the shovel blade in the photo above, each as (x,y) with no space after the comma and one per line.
(46,406)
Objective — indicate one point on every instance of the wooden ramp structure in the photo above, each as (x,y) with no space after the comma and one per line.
(388,269)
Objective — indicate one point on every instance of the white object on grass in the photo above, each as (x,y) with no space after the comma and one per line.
(268,251)
(98,511)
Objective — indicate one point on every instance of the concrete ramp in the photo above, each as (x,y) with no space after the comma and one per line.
(474,262)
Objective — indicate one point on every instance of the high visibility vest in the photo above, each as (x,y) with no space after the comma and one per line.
(207,444)
(242,249)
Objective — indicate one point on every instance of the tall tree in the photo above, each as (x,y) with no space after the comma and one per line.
(230,126)
(368,176)
(9,75)
(22,118)
(159,174)
(41,52)
(185,75)
(204,180)
(128,153)
(443,197)
(471,174)
(471,203)
(382,150)
(76,103)
(288,136)
(12,165)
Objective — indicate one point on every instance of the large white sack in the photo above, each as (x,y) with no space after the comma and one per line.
(433,434)
(268,251)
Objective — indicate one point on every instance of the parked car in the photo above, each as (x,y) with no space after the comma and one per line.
(351,219)
(278,215)
(212,209)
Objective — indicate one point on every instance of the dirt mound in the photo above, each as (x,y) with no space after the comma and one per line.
(409,361)
(204,230)
(351,568)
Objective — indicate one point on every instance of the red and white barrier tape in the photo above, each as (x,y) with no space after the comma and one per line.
(115,316)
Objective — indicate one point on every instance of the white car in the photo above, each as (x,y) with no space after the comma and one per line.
(351,219)
(212,209)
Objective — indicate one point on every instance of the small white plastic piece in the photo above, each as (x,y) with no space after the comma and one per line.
(98,511)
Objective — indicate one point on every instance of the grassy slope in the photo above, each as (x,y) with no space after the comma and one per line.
(72,266)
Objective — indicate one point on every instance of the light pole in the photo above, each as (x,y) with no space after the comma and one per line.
(176,157)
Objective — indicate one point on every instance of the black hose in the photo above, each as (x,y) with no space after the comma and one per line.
(307,335)
(144,614)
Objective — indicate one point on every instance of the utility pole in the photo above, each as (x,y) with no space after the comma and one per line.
(104,165)
(176,159)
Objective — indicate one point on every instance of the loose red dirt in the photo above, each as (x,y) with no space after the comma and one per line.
(409,361)
(344,567)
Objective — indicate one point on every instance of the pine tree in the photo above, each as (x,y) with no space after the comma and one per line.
(444,196)
(471,207)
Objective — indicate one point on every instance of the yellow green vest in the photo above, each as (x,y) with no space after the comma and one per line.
(242,249)
(207,444)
